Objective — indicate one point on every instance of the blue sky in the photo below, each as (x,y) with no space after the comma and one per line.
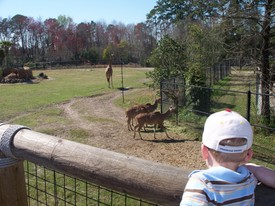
(124,11)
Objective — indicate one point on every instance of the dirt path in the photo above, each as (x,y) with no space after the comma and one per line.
(99,106)
(106,127)
(103,125)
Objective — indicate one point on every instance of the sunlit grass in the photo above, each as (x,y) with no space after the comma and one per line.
(62,85)
(243,81)
(232,92)
(142,96)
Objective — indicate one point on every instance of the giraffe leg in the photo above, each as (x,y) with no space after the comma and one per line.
(108,80)
(111,79)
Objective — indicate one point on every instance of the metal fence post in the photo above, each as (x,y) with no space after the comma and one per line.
(248,105)
(161,95)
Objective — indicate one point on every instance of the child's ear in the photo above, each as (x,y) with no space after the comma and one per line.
(248,155)
(204,152)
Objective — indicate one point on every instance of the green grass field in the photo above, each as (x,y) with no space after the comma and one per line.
(32,103)
(63,85)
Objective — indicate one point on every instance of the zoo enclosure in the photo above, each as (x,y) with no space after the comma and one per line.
(209,100)
(206,100)
(82,164)
(150,181)
(195,103)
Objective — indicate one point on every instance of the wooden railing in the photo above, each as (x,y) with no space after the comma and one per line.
(157,183)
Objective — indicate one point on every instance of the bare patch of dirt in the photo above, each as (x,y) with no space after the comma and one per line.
(107,128)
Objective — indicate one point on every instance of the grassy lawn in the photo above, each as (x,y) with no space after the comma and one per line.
(62,86)
(34,99)
(243,81)
(32,102)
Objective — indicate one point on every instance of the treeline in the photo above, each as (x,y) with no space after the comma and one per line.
(195,35)
(180,39)
(28,40)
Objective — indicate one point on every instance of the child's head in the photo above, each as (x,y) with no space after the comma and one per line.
(228,136)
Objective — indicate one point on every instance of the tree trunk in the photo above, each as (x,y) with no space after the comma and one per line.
(265,62)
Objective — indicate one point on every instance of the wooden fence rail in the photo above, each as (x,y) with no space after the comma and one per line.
(151,181)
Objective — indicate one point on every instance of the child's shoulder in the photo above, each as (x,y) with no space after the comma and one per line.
(220,174)
(215,178)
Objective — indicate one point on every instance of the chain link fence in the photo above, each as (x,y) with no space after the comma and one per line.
(51,188)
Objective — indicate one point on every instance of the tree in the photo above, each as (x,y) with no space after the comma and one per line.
(20,30)
(191,23)
(64,21)
(36,41)
(84,32)
(52,38)
(168,12)
(61,39)
(5,45)
(108,53)
(90,55)
(123,52)
(166,65)
(251,26)
(246,25)
(269,8)
(2,56)
(143,42)
(5,30)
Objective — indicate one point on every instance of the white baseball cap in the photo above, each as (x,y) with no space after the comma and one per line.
(224,125)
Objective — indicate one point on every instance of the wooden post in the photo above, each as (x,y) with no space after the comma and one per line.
(157,183)
(12,179)
(12,186)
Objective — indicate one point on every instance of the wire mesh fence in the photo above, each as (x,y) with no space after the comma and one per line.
(51,188)
(195,104)
(218,72)
(203,101)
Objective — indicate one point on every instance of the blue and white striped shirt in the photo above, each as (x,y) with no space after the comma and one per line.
(220,186)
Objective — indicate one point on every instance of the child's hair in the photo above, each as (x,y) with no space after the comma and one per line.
(230,157)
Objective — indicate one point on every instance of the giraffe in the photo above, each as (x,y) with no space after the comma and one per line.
(109,73)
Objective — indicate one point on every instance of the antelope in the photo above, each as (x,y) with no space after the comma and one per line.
(153,107)
(132,112)
(137,109)
(109,72)
(155,118)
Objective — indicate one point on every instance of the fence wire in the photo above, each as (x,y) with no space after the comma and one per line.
(203,101)
(195,104)
(51,188)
